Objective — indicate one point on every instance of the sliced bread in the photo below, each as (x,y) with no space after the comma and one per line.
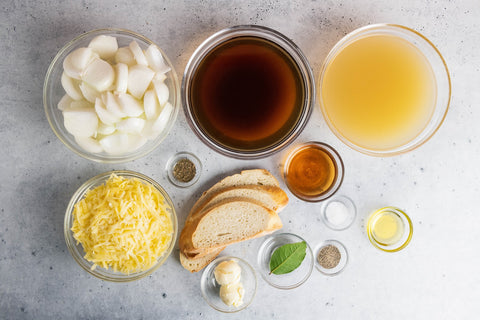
(271,197)
(228,222)
(254,177)
(195,265)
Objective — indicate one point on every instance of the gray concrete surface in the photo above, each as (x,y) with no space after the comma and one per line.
(436,277)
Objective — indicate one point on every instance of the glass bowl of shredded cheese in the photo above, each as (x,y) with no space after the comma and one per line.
(120,226)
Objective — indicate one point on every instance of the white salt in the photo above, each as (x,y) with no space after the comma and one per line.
(336,213)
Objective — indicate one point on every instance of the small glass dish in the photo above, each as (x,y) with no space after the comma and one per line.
(313,171)
(76,249)
(53,92)
(442,96)
(289,280)
(210,288)
(172,162)
(263,146)
(396,219)
(338,212)
(342,262)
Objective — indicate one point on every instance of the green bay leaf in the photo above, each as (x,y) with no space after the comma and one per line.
(288,257)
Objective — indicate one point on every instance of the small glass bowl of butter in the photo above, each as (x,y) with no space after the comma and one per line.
(228,284)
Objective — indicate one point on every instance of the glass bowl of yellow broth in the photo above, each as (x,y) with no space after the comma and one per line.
(384,89)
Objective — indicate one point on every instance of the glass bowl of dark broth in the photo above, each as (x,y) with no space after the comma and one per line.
(248,91)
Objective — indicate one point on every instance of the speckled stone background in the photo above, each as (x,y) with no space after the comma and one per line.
(436,277)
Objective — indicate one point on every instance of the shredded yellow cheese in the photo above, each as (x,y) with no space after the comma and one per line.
(123,224)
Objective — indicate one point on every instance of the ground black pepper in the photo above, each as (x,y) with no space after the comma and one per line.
(184,170)
(329,257)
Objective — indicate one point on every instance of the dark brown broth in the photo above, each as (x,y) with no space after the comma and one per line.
(247,94)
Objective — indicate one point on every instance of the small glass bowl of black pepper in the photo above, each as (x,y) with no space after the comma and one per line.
(184,169)
(331,257)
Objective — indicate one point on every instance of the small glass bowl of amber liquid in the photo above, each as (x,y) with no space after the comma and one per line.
(389,229)
(313,171)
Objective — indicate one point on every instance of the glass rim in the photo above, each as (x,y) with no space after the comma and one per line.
(424,135)
(267,34)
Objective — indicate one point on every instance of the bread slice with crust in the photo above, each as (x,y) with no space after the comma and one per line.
(261,192)
(195,265)
(230,221)
(254,177)
(271,197)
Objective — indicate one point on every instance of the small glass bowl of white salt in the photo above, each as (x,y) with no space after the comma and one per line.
(338,212)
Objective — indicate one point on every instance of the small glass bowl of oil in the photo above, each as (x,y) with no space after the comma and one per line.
(389,229)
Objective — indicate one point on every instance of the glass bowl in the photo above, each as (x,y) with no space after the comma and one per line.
(306,164)
(341,264)
(239,146)
(76,250)
(171,166)
(406,224)
(426,126)
(210,288)
(329,215)
(53,92)
(289,280)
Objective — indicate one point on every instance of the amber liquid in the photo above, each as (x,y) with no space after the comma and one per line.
(311,171)
(247,94)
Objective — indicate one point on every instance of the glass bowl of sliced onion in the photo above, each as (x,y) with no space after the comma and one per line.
(111,95)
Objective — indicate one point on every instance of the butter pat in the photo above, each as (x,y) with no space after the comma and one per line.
(227,272)
(232,294)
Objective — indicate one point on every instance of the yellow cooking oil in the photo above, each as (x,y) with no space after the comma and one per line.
(387,228)
(379,92)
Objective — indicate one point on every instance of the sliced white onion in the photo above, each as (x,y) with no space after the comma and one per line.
(104,104)
(99,74)
(150,104)
(162,92)
(139,78)
(131,125)
(80,122)
(65,102)
(89,144)
(105,129)
(105,46)
(161,122)
(160,77)
(130,106)
(112,104)
(104,115)
(116,143)
(121,69)
(77,61)
(155,59)
(138,53)
(88,92)
(125,55)
(80,104)
(71,87)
